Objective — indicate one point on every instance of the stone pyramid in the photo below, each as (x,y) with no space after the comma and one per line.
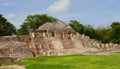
(54,38)
(57,27)
(57,38)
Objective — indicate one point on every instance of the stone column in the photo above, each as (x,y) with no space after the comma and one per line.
(32,34)
(44,53)
(43,34)
(103,47)
(47,33)
(71,36)
(77,34)
(62,35)
(98,45)
(83,36)
(55,34)
(110,45)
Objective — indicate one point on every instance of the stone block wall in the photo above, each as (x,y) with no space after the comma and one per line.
(15,46)
(51,43)
(5,60)
(22,38)
(4,52)
(97,44)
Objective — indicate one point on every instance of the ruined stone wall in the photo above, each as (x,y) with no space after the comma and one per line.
(22,38)
(5,60)
(12,67)
(52,43)
(15,46)
(98,44)
(46,42)
(4,52)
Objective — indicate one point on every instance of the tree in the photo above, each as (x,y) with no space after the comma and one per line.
(89,31)
(32,22)
(76,26)
(103,34)
(6,28)
(109,34)
(115,32)
(115,24)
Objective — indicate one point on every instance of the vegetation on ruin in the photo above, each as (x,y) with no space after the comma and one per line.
(32,22)
(6,28)
(104,34)
(72,62)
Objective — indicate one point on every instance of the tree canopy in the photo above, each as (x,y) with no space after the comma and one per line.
(32,22)
(115,32)
(6,28)
(76,26)
(105,35)
(89,31)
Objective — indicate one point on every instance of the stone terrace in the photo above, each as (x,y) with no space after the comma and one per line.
(55,38)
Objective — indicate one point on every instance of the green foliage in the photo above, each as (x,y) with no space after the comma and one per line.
(105,35)
(6,28)
(115,32)
(109,34)
(76,26)
(72,62)
(115,24)
(32,22)
(89,31)
(23,30)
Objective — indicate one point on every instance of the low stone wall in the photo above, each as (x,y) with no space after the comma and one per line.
(97,44)
(22,38)
(4,52)
(12,67)
(5,60)
(44,43)
(15,49)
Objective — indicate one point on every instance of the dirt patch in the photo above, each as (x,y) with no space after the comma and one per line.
(12,67)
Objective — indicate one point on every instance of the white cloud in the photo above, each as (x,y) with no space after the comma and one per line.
(18,18)
(60,6)
(10,16)
(9,4)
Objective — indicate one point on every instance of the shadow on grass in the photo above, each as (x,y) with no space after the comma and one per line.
(36,59)
(48,66)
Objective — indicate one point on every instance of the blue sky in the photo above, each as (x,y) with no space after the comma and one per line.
(93,12)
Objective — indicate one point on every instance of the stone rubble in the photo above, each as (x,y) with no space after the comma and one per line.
(12,67)
(53,39)
(59,39)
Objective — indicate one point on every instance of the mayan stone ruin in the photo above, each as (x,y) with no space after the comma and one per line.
(55,38)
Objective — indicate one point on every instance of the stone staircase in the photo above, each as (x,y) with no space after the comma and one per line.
(53,39)
(58,39)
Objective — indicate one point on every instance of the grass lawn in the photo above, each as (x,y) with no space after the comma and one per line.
(72,62)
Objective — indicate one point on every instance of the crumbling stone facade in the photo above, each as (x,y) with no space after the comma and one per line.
(53,39)
(12,67)
(59,39)
(13,47)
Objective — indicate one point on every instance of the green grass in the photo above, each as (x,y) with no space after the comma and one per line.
(72,62)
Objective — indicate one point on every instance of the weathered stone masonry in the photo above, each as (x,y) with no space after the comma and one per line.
(12,47)
(59,39)
(53,39)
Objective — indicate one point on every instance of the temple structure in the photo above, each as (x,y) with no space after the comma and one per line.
(54,38)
